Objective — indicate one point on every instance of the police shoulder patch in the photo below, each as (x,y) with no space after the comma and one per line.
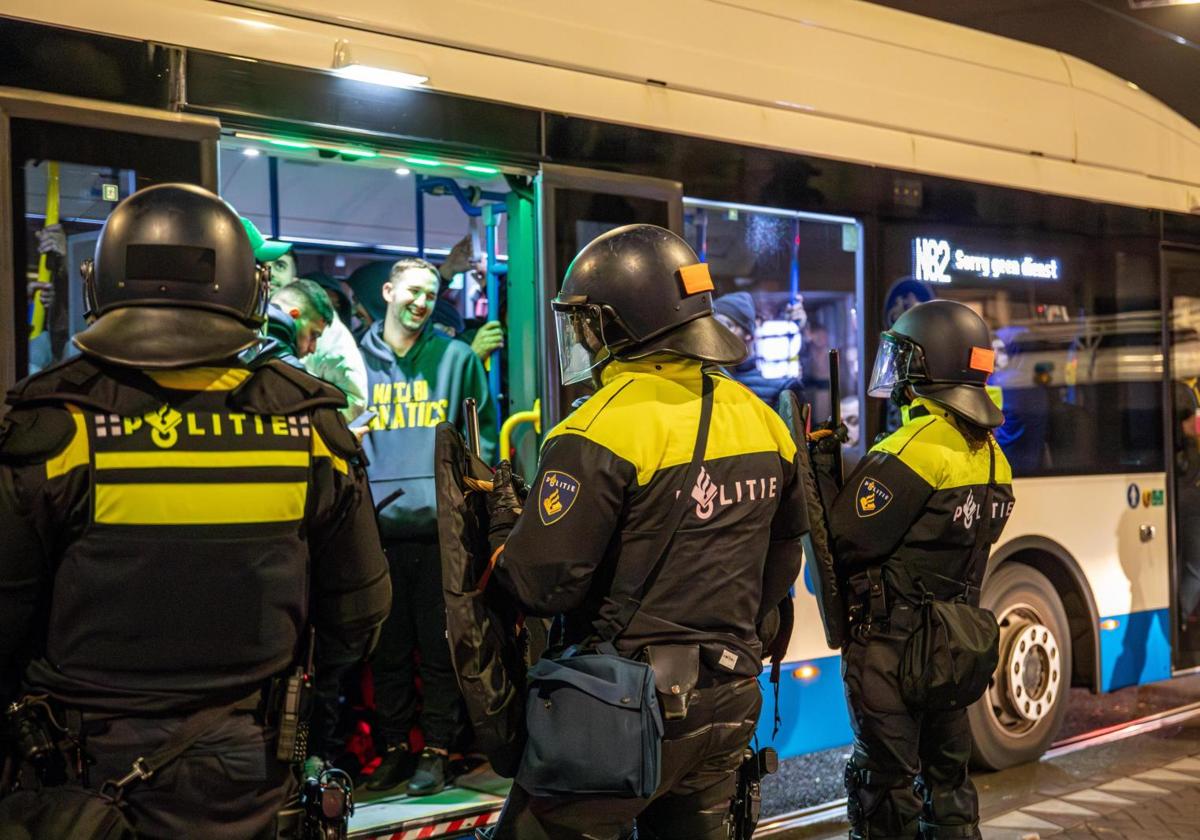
(873,496)
(556,495)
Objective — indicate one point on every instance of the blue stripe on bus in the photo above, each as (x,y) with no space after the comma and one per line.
(1135,648)
(812,705)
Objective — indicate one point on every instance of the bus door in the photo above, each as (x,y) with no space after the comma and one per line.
(1181,271)
(65,163)
(577,205)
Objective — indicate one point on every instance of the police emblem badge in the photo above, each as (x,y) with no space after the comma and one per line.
(873,497)
(556,495)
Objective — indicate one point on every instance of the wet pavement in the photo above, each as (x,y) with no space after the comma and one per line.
(816,778)
(1146,787)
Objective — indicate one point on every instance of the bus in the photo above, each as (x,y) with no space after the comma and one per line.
(835,161)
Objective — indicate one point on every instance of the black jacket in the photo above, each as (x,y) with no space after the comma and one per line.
(914,505)
(606,482)
(169,534)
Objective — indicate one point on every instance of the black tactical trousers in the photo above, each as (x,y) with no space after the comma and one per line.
(226,786)
(417,624)
(907,777)
(334,662)
(700,757)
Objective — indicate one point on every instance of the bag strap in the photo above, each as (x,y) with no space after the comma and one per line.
(630,602)
(975,572)
(193,728)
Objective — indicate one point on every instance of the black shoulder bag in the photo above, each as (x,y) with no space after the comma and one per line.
(593,719)
(954,648)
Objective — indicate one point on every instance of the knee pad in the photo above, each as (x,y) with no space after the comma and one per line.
(866,791)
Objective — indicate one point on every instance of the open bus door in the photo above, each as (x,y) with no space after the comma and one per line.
(1181,278)
(577,205)
(65,163)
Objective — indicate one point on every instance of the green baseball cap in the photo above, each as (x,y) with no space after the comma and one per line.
(265,250)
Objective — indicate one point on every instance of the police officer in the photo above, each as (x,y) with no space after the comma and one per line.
(635,316)
(915,517)
(173,519)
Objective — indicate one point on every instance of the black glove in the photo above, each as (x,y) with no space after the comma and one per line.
(503,505)
(830,439)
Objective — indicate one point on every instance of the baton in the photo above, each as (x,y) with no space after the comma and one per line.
(471,413)
(835,408)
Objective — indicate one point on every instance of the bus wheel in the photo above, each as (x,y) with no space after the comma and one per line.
(1019,715)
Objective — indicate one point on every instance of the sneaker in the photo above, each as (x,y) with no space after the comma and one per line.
(430,776)
(397,767)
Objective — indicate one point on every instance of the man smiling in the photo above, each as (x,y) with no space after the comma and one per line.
(417,378)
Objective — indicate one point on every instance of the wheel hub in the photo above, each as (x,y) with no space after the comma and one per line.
(1032,666)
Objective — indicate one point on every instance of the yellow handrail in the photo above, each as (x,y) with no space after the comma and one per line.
(37,321)
(533,416)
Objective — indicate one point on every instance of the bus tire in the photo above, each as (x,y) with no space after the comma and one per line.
(1020,713)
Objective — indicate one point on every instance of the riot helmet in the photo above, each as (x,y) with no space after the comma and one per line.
(942,350)
(174,282)
(633,292)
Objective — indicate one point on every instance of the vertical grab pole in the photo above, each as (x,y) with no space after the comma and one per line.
(419,183)
(273,192)
(37,314)
(490,220)
(794,276)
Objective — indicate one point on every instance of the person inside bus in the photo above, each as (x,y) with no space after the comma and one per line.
(50,344)
(343,305)
(366,282)
(336,357)
(417,378)
(488,337)
(296,317)
(1027,412)
(736,311)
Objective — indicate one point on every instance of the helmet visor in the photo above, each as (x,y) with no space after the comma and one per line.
(581,344)
(891,366)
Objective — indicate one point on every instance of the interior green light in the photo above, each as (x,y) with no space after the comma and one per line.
(358,153)
(482,170)
(421,161)
(289,144)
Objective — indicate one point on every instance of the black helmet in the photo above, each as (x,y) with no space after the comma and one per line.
(943,351)
(174,282)
(635,291)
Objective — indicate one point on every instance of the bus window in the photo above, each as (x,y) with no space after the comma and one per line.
(1182,270)
(65,207)
(787,283)
(1077,335)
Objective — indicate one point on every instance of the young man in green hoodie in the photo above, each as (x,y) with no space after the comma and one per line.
(417,378)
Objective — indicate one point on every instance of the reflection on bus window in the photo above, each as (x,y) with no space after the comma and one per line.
(65,207)
(1077,337)
(786,285)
